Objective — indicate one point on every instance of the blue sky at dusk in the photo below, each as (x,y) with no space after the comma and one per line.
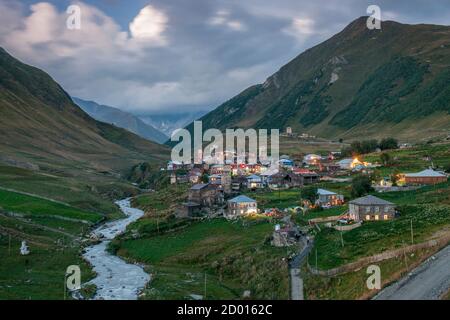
(164,56)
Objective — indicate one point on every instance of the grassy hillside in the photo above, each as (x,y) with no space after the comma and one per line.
(121,119)
(234,256)
(53,241)
(377,82)
(42,128)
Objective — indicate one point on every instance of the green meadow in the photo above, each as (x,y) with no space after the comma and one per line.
(233,256)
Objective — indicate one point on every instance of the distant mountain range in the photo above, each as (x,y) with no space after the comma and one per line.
(167,123)
(41,126)
(121,119)
(359,83)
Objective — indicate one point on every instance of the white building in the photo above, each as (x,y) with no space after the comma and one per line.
(241,206)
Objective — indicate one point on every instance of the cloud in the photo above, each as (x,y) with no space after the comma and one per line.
(223,18)
(175,55)
(149,25)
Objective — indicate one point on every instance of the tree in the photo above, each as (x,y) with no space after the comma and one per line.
(385,158)
(361,185)
(309,193)
(388,143)
(368,146)
(205,178)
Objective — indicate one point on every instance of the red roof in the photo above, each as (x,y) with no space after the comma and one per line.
(302,171)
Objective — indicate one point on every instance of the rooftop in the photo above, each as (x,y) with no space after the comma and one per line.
(242,198)
(199,186)
(370,200)
(325,192)
(426,173)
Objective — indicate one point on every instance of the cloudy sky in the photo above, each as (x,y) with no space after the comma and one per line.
(168,56)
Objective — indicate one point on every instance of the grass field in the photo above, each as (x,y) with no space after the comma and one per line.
(352,285)
(53,243)
(39,275)
(429,214)
(413,159)
(234,257)
(90,192)
(34,206)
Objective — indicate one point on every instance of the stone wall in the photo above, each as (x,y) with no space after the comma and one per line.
(437,243)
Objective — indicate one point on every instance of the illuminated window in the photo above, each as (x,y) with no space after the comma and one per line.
(368,217)
(386,217)
(377,217)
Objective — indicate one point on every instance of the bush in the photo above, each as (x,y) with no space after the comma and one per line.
(361,186)
(388,143)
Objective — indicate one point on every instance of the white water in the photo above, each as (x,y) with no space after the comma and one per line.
(116,279)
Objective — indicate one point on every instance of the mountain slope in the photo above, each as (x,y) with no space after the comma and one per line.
(121,119)
(40,125)
(167,123)
(360,81)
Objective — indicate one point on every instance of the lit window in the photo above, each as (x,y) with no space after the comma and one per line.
(368,217)
(386,217)
(377,217)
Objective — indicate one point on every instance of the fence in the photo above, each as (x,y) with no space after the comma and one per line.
(353,266)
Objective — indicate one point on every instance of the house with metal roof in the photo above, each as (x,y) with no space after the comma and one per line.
(370,208)
(254,182)
(240,206)
(427,176)
(329,198)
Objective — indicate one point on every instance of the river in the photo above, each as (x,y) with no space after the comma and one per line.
(116,279)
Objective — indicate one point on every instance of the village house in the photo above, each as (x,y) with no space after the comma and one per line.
(289,131)
(254,182)
(215,179)
(370,208)
(286,163)
(238,182)
(428,176)
(311,159)
(205,194)
(241,206)
(284,180)
(195,175)
(310,177)
(329,198)
(329,167)
(216,169)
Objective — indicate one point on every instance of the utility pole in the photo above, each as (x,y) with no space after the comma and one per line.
(412,233)
(65,285)
(316,259)
(406,262)
(157,224)
(205,288)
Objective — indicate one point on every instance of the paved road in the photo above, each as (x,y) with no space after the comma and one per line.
(296,279)
(429,281)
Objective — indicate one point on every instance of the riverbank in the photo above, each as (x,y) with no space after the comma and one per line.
(115,279)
